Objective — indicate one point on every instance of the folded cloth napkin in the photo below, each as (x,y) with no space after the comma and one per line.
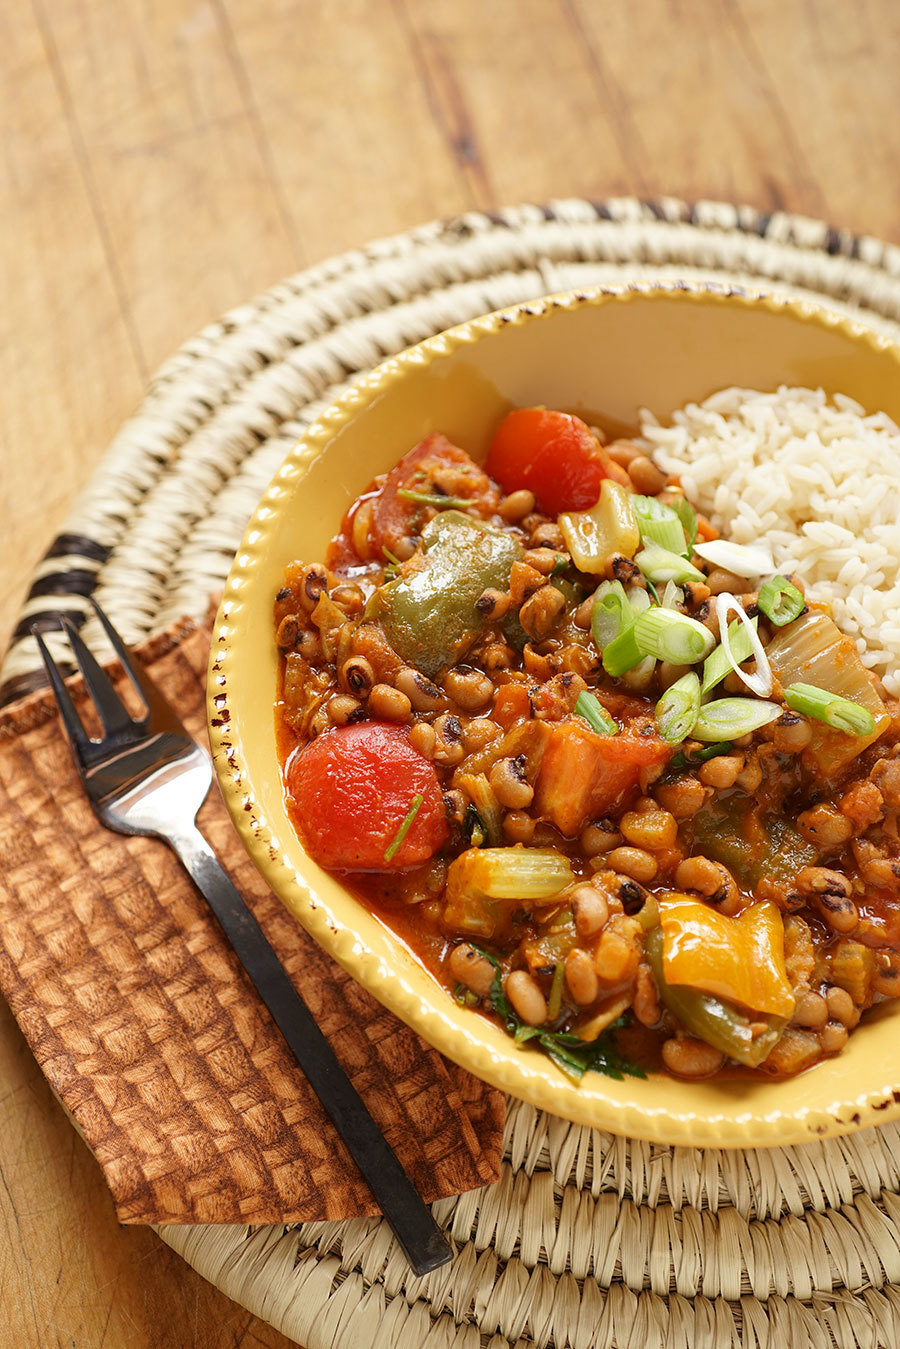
(156,1043)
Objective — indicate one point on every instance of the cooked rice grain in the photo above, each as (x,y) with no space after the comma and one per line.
(815,477)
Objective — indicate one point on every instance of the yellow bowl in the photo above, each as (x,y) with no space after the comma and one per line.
(611,350)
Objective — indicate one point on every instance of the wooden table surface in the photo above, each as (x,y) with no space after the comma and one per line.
(165,161)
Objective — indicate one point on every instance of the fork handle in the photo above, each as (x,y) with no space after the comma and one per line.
(424,1243)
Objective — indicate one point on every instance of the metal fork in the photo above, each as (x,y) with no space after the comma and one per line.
(146,775)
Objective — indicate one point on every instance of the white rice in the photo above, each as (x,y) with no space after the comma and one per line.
(817,479)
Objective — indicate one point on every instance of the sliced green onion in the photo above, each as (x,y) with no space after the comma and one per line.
(780,601)
(730,718)
(658,524)
(661,565)
(668,635)
(622,654)
(611,613)
(740,558)
(688,517)
(437,499)
(718,665)
(838,713)
(415,806)
(759,682)
(699,756)
(595,714)
(678,709)
(673,595)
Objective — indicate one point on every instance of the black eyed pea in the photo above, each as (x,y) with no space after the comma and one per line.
(470,689)
(538,615)
(831,893)
(492,605)
(455,805)
(645,476)
(591,910)
(516,506)
(341,708)
(350,598)
(471,968)
(646,1002)
(653,828)
(600,837)
(314,580)
(824,825)
(722,771)
(633,862)
(887,976)
(841,1007)
(357,676)
(686,1057)
(711,879)
(833,1037)
(422,694)
(448,746)
(511,787)
(518,826)
(389,703)
(479,732)
(791,733)
(524,992)
(581,977)
(422,738)
(810,1010)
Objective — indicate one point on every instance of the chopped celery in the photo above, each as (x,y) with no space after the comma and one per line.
(595,714)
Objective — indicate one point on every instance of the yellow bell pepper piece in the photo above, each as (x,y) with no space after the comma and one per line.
(739,959)
(608,527)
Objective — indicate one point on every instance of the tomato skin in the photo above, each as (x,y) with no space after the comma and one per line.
(553,454)
(395,518)
(351,789)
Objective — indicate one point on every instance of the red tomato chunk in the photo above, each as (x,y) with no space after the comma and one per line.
(552,454)
(352,789)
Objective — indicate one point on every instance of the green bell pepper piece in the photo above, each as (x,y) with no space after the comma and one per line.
(778,855)
(710,1019)
(428,613)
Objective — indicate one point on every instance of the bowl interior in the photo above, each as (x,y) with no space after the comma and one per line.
(609,353)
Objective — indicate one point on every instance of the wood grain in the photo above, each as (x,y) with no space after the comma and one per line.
(164,162)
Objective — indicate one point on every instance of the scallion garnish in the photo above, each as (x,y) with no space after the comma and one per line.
(393,847)
(678,709)
(437,499)
(554,1002)
(839,713)
(718,665)
(668,635)
(688,517)
(658,524)
(730,718)
(672,596)
(622,654)
(780,601)
(760,682)
(611,613)
(741,558)
(587,705)
(659,564)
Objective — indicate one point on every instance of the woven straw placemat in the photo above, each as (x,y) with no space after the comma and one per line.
(588,1240)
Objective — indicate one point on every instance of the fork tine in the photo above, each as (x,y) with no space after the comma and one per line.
(113,712)
(78,737)
(133,672)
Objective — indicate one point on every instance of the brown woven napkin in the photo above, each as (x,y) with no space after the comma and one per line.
(147,1029)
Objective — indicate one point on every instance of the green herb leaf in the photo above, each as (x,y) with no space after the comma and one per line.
(393,847)
(436,499)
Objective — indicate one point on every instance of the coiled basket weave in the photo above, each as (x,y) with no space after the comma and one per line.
(588,1239)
